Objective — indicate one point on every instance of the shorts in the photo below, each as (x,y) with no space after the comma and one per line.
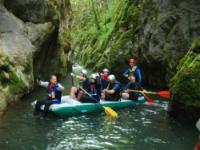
(111,98)
(134,97)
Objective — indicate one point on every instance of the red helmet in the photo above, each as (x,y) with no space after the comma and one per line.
(132,61)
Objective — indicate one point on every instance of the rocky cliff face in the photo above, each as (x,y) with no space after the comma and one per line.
(168,28)
(33,41)
(157,32)
(35,38)
(185,85)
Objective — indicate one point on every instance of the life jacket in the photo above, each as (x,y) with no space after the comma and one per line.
(132,71)
(53,88)
(105,77)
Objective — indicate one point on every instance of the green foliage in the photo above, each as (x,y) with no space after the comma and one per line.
(107,45)
(185,85)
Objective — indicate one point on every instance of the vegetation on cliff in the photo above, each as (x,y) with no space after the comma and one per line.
(185,85)
(103,34)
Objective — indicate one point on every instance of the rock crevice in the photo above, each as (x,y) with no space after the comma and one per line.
(29,29)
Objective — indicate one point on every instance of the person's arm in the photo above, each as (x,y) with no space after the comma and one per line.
(125,74)
(43,83)
(78,77)
(60,87)
(112,91)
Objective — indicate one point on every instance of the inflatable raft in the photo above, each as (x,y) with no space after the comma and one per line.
(71,107)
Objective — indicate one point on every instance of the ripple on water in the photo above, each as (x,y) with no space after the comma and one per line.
(142,127)
(151,140)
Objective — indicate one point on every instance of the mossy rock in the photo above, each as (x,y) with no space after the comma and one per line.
(9,77)
(185,85)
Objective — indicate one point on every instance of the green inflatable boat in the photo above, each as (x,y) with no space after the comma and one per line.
(71,107)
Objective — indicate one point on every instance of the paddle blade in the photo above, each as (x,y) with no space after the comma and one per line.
(165,94)
(149,100)
(110,112)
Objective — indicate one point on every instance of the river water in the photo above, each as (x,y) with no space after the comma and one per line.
(142,128)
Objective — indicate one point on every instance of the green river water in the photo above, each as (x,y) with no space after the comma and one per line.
(141,128)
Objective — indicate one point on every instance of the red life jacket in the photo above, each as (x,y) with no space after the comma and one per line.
(50,87)
(105,77)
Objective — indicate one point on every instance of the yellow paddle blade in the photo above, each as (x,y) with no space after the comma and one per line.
(110,112)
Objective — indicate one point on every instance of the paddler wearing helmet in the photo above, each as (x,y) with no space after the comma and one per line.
(112,92)
(83,82)
(133,71)
(93,95)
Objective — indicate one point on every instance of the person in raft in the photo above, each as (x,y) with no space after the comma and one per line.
(133,71)
(93,96)
(129,90)
(104,78)
(84,83)
(54,94)
(112,92)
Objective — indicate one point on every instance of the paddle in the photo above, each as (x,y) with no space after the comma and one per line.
(165,94)
(108,110)
(149,100)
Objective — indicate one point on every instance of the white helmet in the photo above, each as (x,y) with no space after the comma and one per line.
(93,76)
(105,70)
(83,71)
(111,77)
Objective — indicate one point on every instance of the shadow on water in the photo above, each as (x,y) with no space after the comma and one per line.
(143,127)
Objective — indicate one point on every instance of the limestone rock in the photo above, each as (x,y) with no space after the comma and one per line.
(185,85)
(29,36)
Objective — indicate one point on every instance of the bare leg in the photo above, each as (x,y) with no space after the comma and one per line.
(125,95)
(79,96)
(103,96)
(73,92)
